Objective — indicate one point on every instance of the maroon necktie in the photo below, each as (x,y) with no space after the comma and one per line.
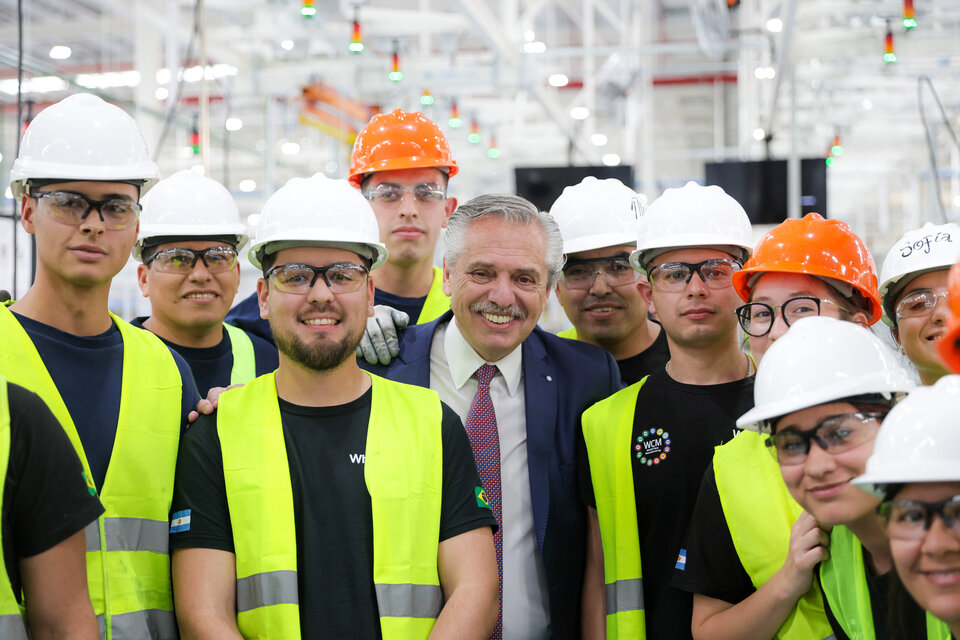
(481,428)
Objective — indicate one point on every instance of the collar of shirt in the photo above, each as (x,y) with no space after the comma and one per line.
(464,361)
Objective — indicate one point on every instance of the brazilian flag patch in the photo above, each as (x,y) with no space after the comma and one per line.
(92,489)
(482,501)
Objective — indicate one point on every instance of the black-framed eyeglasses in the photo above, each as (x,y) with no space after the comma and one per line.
(675,276)
(910,519)
(182,260)
(342,277)
(68,207)
(921,302)
(834,435)
(616,270)
(387,193)
(757,318)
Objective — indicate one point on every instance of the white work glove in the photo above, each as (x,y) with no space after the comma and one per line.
(380,342)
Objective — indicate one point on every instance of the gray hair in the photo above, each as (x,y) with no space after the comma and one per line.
(512,209)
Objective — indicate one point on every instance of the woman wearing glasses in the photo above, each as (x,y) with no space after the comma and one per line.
(914,290)
(739,537)
(915,467)
(822,394)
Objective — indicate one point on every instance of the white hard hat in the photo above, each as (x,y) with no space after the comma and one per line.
(929,248)
(188,205)
(82,138)
(318,211)
(693,216)
(596,214)
(919,440)
(822,360)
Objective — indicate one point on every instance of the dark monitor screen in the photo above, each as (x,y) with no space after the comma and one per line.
(761,187)
(543,185)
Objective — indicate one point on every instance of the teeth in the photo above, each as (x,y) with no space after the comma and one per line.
(497,319)
(198,296)
(602,309)
(320,321)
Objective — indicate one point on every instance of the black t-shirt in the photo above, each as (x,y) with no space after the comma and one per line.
(331,507)
(45,496)
(878,586)
(712,566)
(676,427)
(410,306)
(211,366)
(87,371)
(651,359)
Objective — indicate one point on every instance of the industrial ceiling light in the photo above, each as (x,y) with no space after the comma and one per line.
(60,52)
(579,113)
(558,80)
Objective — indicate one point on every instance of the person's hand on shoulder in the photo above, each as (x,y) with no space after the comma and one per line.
(381,341)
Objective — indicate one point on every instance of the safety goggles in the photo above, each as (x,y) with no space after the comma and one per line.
(675,276)
(67,207)
(910,519)
(920,302)
(757,318)
(834,435)
(182,260)
(580,274)
(386,193)
(342,277)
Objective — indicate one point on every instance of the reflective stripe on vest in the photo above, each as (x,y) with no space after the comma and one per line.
(844,580)
(404,477)
(151,623)
(244,361)
(607,430)
(437,303)
(760,512)
(133,575)
(570,333)
(11,616)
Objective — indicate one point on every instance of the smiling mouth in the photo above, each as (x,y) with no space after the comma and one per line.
(320,322)
(200,296)
(496,319)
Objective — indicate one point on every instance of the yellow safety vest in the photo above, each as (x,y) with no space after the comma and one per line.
(128,563)
(844,582)
(12,626)
(568,333)
(403,471)
(437,303)
(244,361)
(760,513)
(607,430)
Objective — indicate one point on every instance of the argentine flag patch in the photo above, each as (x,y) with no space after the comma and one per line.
(681,560)
(180,521)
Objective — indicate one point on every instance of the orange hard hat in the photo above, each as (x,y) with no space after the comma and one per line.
(815,246)
(949,345)
(399,140)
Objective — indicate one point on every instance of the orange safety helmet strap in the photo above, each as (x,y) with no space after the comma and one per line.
(949,346)
(400,140)
(818,247)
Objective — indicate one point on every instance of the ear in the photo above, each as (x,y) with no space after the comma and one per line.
(895,332)
(646,292)
(263,292)
(370,296)
(142,280)
(860,318)
(28,207)
(448,208)
(446,279)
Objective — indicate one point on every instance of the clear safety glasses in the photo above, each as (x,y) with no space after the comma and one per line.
(675,276)
(181,260)
(342,277)
(392,194)
(910,519)
(67,207)
(580,274)
(835,434)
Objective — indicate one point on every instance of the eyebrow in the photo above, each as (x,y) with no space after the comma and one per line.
(795,294)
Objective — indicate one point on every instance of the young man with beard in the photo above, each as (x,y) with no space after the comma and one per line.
(120,394)
(649,444)
(190,234)
(320,501)
(599,290)
(520,392)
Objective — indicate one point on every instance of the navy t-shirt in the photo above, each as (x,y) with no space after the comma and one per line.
(410,306)
(246,315)
(87,371)
(211,366)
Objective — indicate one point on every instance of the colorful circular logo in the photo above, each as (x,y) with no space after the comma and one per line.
(652,446)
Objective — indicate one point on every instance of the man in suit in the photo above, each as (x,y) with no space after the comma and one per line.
(522,414)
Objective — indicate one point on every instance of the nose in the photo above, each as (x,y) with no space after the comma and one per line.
(501,291)
(92,223)
(408,206)
(696,286)
(819,462)
(939,538)
(599,287)
(779,326)
(941,312)
(200,272)
(319,293)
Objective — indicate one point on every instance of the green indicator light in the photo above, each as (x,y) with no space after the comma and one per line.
(455,123)
(355,47)
(426,100)
(308,12)
(830,162)
(889,57)
(836,150)
(396,76)
(474,138)
(493,152)
(909,23)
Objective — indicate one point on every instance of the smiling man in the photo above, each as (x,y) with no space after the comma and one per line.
(190,233)
(649,444)
(520,392)
(320,501)
(599,290)
(120,394)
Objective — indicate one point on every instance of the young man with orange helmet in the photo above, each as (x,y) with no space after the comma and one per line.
(745,545)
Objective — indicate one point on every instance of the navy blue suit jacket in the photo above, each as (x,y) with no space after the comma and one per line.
(561,378)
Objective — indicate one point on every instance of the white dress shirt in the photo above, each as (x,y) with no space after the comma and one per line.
(452,365)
